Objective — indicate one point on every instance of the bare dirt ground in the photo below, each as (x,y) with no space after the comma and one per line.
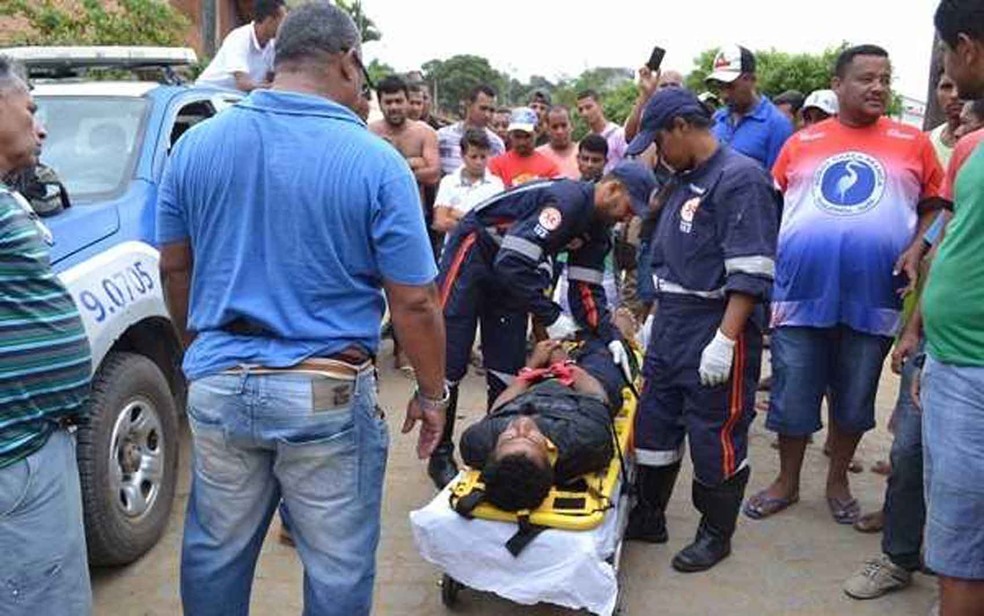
(793,563)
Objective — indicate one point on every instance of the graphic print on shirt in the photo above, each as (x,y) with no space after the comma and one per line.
(849,184)
(687,213)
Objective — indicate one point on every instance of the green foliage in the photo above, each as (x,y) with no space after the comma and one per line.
(456,76)
(90,22)
(377,70)
(367,28)
(778,71)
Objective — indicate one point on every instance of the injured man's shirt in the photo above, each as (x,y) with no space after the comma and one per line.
(579,425)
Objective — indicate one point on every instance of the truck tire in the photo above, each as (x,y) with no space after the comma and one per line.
(128,459)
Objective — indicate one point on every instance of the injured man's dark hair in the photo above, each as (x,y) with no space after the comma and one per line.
(552,425)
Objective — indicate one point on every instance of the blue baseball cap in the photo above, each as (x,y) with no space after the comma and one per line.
(640,181)
(660,110)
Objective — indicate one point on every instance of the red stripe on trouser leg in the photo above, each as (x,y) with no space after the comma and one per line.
(589,304)
(735,404)
(459,258)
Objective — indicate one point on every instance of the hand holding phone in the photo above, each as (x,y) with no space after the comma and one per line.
(656,58)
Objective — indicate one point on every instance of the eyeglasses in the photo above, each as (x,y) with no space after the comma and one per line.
(367,84)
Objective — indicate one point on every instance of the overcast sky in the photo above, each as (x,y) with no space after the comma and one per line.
(555,38)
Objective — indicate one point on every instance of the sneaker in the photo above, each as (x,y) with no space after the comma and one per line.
(877,577)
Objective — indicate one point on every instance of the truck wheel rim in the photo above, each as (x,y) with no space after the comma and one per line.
(136,458)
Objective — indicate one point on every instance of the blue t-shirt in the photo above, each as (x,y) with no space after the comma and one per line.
(295,213)
(759,135)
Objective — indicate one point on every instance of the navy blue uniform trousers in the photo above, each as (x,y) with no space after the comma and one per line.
(674,405)
(471,294)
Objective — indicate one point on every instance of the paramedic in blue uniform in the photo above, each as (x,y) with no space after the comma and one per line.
(712,263)
(496,270)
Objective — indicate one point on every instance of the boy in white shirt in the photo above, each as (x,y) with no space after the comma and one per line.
(469,185)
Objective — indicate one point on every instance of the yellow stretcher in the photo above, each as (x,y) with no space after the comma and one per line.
(583,509)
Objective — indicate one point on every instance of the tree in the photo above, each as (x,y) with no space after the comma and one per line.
(92,22)
(377,70)
(367,27)
(777,71)
(453,79)
(934,113)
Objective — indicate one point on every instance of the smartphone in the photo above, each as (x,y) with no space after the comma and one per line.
(656,58)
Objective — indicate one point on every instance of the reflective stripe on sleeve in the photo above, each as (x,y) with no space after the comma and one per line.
(754,265)
(585,274)
(524,247)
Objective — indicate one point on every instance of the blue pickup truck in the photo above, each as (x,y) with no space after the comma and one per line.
(108,142)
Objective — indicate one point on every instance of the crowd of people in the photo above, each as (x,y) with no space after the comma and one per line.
(706,228)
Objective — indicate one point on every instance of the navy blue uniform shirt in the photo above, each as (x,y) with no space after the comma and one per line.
(717,230)
(527,226)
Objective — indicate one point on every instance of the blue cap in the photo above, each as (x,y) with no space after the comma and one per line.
(660,110)
(640,181)
(523,119)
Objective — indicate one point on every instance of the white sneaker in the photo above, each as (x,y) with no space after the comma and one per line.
(877,577)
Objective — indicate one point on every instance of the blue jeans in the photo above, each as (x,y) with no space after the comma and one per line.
(316,441)
(43,566)
(953,453)
(810,362)
(905,508)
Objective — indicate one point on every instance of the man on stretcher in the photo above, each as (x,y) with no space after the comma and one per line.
(550,426)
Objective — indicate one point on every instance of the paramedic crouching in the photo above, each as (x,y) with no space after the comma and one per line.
(550,426)
(712,261)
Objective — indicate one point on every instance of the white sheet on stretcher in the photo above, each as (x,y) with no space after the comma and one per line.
(566,568)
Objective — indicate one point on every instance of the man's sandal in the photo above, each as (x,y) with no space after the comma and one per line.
(761,505)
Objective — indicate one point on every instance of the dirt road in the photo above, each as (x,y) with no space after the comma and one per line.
(793,563)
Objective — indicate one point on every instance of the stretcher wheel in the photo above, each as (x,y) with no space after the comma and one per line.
(449,590)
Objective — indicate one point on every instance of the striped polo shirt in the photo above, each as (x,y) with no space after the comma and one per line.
(44,354)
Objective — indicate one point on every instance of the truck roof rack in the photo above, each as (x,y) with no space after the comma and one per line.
(73,62)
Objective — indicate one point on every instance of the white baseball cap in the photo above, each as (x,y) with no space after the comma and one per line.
(824,100)
(731,63)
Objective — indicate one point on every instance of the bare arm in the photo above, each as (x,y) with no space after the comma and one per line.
(427,166)
(647,85)
(445,218)
(419,324)
(175,268)
(740,307)
(245,83)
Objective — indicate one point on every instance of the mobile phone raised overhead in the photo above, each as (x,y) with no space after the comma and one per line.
(656,58)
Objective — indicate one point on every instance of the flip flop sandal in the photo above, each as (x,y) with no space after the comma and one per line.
(870,522)
(844,512)
(761,505)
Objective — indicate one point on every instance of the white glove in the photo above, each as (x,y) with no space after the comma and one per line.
(564,327)
(715,360)
(621,358)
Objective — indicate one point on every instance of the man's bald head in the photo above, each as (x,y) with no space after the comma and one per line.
(670,79)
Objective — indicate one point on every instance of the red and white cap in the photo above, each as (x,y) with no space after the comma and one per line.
(731,63)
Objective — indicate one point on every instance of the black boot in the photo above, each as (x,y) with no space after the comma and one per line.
(719,506)
(647,520)
(441,467)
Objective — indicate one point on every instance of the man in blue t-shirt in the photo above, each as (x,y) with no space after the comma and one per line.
(282,220)
(748,122)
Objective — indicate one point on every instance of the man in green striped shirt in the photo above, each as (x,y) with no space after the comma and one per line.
(45,365)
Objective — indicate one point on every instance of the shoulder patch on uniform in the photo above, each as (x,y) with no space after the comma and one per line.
(550,218)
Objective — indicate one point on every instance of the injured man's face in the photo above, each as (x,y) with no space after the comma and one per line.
(523,437)
(519,473)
